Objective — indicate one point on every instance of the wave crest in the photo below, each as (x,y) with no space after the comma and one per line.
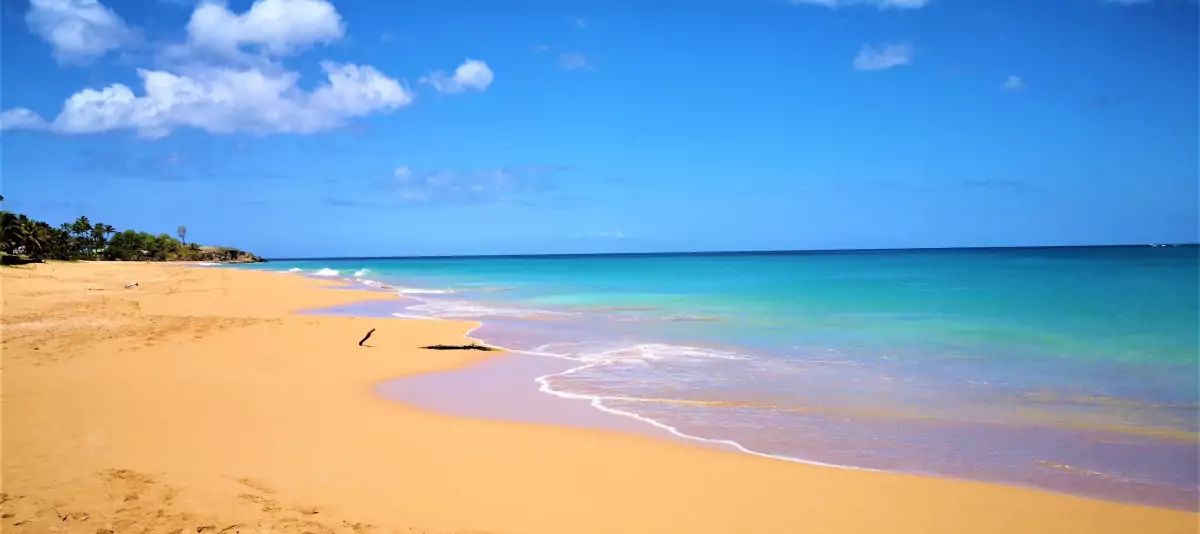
(649,352)
(421,291)
(641,352)
(465,309)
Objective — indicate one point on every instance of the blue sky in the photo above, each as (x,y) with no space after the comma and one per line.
(308,128)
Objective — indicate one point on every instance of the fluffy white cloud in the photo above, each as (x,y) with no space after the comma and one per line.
(884,56)
(279,26)
(228,76)
(21,119)
(471,75)
(222,100)
(358,90)
(1013,83)
(78,30)
(881,4)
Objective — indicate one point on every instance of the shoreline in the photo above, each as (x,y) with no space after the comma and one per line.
(205,396)
(661,430)
(389,390)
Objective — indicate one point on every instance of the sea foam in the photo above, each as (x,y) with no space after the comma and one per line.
(421,291)
(468,309)
(660,351)
(647,352)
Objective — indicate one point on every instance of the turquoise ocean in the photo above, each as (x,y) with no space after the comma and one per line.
(1069,369)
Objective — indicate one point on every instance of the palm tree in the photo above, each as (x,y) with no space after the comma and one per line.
(30,238)
(81,225)
(81,230)
(182,233)
(8,224)
(100,233)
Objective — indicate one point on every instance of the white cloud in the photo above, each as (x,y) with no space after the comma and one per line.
(224,100)
(358,90)
(78,30)
(881,4)
(21,119)
(1013,83)
(279,26)
(228,76)
(884,56)
(471,75)
(573,61)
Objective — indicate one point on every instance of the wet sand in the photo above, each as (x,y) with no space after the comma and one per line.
(503,388)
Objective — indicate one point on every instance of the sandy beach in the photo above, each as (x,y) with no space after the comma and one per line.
(200,401)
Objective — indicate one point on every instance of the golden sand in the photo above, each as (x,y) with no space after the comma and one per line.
(200,402)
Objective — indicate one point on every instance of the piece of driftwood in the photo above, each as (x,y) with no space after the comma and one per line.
(472,346)
(366,337)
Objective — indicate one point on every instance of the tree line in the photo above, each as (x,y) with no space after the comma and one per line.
(81,239)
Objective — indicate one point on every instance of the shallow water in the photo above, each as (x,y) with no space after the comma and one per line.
(1068,369)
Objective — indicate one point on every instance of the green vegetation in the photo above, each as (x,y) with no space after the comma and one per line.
(36,240)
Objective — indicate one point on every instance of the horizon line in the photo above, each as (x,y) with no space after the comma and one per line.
(767,252)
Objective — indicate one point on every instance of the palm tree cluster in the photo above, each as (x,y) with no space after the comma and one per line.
(83,240)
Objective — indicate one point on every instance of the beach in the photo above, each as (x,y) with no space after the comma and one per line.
(201,401)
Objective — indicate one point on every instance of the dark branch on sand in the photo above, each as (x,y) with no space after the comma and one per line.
(366,337)
(472,346)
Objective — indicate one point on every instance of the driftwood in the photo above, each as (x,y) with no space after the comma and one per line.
(472,346)
(366,337)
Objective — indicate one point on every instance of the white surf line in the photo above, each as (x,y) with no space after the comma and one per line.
(596,402)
